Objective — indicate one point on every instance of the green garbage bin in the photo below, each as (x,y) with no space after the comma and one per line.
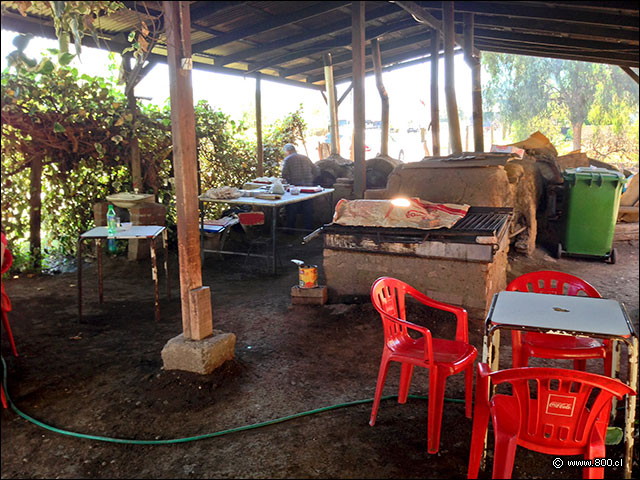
(592,197)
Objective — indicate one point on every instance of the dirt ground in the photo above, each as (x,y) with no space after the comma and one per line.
(105,377)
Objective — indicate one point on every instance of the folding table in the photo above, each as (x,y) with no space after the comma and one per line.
(150,232)
(568,315)
(285,199)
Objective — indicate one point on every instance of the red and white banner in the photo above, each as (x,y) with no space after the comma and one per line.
(398,213)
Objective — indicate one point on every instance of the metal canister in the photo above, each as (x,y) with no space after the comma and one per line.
(308,276)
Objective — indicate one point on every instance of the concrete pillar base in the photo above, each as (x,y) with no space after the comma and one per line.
(199,356)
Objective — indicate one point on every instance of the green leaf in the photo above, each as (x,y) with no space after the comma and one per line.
(45,67)
(66,58)
(58,128)
(614,436)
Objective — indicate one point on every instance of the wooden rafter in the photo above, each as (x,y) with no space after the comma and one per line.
(317,34)
(268,25)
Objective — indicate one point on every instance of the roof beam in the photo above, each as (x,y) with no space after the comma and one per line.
(562,13)
(554,41)
(631,73)
(389,60)
(346,57)
(271,24)
(341,41)
(423,16)
(399,61)
(25,25)
(560,28)
(518,49)
(324,31)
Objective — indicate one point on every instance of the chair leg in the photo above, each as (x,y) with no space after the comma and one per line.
(468,394)
(437,381)
(4,400)
(405,382)
(382,375)
(7,327)
(478,433)
(504,454)
(580,364)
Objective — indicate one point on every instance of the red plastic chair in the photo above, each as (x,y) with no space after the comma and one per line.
(552,410)
(5,302)
(442,357)
(545,345)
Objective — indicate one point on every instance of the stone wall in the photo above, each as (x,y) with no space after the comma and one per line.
(349,276)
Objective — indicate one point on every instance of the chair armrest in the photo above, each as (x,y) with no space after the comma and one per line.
(424,331)
(483,384)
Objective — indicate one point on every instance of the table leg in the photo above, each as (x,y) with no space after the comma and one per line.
(490,356)
(274,221)
(154,273)
(201,205)
(166,261)
(79,280)
(98,244)
(630,413)
(614,373)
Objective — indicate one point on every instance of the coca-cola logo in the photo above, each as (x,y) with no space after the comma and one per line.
(560,405)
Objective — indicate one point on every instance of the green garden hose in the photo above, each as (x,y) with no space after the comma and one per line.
(196,437)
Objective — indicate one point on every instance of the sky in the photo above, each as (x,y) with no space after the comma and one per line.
(406,87)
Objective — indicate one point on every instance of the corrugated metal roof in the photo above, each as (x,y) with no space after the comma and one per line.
(288,39)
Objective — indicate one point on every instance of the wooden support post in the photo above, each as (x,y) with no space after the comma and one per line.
(196,318)
(259,149)
(332,103)
(35,211)
(435,103)
(473,60)
(136,166)
(357,47)
(384,97)
(455,142)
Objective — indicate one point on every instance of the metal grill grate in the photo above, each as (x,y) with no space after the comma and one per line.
(481,222)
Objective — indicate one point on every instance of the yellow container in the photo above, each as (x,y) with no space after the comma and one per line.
(308,276)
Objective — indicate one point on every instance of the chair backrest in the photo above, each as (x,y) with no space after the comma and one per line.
(251,218)
(552,282)
(560,408)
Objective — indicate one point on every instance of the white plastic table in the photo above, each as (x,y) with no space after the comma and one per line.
(568,315)
(150,232)
(286,199)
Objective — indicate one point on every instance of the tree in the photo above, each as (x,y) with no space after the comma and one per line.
(533,93)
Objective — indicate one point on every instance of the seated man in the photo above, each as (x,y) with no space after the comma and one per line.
(300,171)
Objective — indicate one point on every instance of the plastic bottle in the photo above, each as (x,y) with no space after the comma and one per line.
(111,229)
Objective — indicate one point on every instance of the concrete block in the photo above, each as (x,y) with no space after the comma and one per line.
(199,356)
(309,296)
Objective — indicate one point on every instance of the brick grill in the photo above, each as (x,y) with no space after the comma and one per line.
(464,265)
